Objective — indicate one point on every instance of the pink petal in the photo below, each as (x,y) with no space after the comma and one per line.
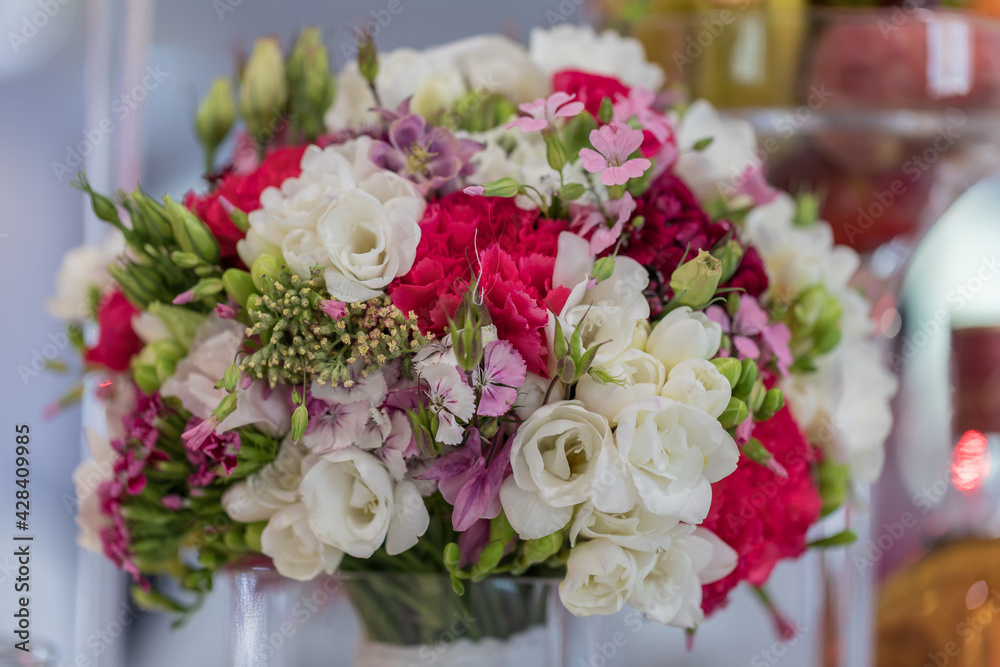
(496,400)
(535,109)
(504,364)
(592,160)
(628,140)
(184,297)
(571,109)
(605,237)
(718,315)
(473,498)
(528,124)
(475,190)
(745,348)
(750,319)
(776,338)
(601,139)
(615,176)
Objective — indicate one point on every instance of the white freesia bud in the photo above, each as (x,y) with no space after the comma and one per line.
(640,375)
(352,504)
(600,576)
(698,383)
(553,456)
(669,456)
(670,591)
(293,546)
(683,335)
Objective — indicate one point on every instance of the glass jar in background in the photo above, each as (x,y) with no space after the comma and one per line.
(943,606)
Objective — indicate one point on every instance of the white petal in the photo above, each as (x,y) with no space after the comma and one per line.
(409,519)
(528,514)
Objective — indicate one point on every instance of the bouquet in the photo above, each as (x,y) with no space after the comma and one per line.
(482,310)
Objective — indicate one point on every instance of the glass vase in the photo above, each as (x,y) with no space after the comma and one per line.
(404,619)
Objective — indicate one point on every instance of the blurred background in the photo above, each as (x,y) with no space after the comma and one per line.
(853,103)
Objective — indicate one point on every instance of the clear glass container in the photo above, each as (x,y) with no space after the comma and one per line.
(405,619)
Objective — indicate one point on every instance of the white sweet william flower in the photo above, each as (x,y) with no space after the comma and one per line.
(684,334)
(580,47)
(600,577)
(697,382)
(714,171)
(669,455)
(354,505)
(84,269)
(554,458)
(436,79)
(638,375)
(451,400)
(273,488)
(355,221)
(638,529)
(88,477)
(295,549)
(670,590)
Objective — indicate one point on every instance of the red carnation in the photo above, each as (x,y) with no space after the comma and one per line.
(117,342)
(591,89)
(760,515)
(516,254)
(243,192)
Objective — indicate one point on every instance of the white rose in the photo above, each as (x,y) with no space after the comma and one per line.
(639,375)
(83,269)
(698,383)
(637,529)
(296,551)
(683,335)
(553,456)
(530,395)
(600,577)
(670,591)
(355,221)
(354,506)
(580,47)
(87,478)
(714,171)
(671,454)
(271,489)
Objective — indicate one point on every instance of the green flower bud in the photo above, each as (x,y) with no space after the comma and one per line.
(806,209)
(300,421)
(603,268)
(758,453)
(239,285)
(560,346)
(154,215)
(216,114)
(606,111)
(103,207)
(774,400)
(555,151)
(734,414)
(265,265)
(136,292)
(571,191)
(164,369)
(451,556)
(367,57)
(309,39)
(206,287)
(264,90)
(729,368)
(756,398)
(253,533)
(833,482)
(541,549)
(231,378)
(191,233)
(240,219)
(748,377)
(185,260)
(182,323)
(694,282)
(501,530)
(730,254)
(166,349)
(226,407)
(502,187)
(146,377)
(566,369)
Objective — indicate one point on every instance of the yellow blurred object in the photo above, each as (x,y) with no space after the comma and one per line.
(944,609)
(735,53)
(985,7)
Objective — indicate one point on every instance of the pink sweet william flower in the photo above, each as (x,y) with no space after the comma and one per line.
(451,400)
(335,309)
(614,142)
(470,481)
(544,111)
(604,237)
(498,379)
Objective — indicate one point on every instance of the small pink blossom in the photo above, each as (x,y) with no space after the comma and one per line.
(639,105)
(475,190)
(225,311)
(172,502)
(184,297)
(195,436)
(498,379)
(750,323)
(544,111)
(335,309)
(753,184)
(591,218)
(614,143)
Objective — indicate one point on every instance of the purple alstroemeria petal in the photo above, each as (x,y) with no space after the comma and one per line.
(473,498)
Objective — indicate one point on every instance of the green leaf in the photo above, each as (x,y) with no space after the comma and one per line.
(704,143)
(571,191)
(576,134)
(838,540)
